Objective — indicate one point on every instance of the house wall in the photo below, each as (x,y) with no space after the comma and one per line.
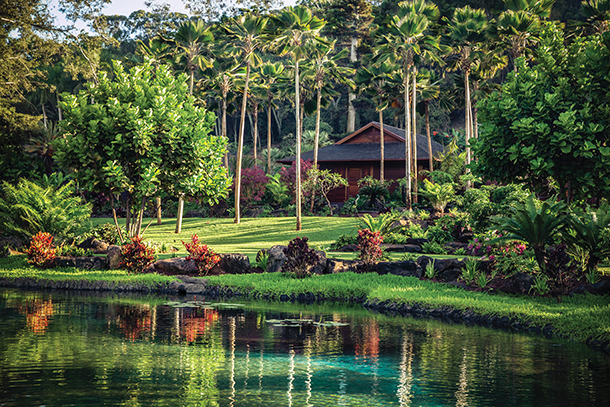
(394,170)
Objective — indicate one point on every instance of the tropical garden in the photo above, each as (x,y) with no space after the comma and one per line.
(113,131)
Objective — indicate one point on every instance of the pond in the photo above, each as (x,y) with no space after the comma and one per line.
(61,349)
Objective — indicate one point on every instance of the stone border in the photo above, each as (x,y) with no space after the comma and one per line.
(185,285)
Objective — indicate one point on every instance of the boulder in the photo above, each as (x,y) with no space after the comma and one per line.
(466,237)
(277,258)
(417,242)
(12,242)
(113,254)
(349,248)
(232,264)
(85,263)
(176,266)
(321,264)
(96,246)
(341,266)
(400,268)
(446,269)
(452,247)
(601,288)
(523,282)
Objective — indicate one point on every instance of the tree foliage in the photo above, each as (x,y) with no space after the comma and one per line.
(552,120)
(139,133)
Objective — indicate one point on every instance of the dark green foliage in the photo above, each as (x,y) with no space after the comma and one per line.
(69,250)
(488,200)
(374,189)
(343,240)
(106,233)
(433,248)
(438,234)
(300,259)
(590,230)
(28,208)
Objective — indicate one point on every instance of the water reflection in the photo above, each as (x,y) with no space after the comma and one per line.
(126,351)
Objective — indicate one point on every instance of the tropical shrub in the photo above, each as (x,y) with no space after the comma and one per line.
(204,258)
(433,248)
(288,176)
(136,255)
(374,189)
(321,182)
(439,195)
(27,208)
(438,234)
(477,203)
(41,253)
(276,190)
(384,223)
(253,185)
(344,240)
(300,259)
(106,233)
(70,250)
(262,259)
(430,270)
(591,232)
(369,246)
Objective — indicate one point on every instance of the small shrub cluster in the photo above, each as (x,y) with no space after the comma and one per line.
(73,251)
(106,233)
(343,240)
(41,253)
(369,246)
(201,254)
(136,256)
(300,259)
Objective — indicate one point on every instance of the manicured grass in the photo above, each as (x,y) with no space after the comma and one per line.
(247,237)
(578,317)
(17,266)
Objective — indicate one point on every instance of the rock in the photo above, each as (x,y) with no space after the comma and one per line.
(400,223)
(277,258)
(12,242)
(466,237)
(85,263)
(349,248)
(341,266)
(601,288)
(400,268)
(410,248)
(178,265)
(452,247)
(321,264)
(523,282)
(113,254)
(232,264)
(450,274)
(97,246)
(417,242)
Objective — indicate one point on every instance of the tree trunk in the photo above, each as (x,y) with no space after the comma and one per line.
(298,155)
(269,137)
(351,110)
(128,217)
(138,230)
(382,147)
(44,115)
(224,128)
(240,146)
(255,133)
(468,119)
(59,112)
(158,200)
(414,126)
(179,214)
(427,114)
(316,141)
(114,217)
(407,139)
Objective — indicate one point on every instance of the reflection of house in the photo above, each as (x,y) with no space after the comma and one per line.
(358,155)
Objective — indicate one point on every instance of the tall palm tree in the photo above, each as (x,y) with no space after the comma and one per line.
(270,74)
(296,28)
(429,88)
(597,13)
(467,33)
(377,81)
(406,40)
(245,34)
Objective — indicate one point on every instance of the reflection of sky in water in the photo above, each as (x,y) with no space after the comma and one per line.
(118,351)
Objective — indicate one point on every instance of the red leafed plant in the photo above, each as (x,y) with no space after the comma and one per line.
(204,258)
(41,252)
(369,246)
(136,255)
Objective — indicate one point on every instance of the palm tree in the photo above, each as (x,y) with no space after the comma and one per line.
(191,42)
(270,74)
(296,28)
(429,87)
(377,81)
(467,32)
(245,33)
(406,40)
(597,13)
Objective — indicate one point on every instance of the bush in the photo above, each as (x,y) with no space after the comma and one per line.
(433,248)
(343,240)
(28,208)
(204,258)
(369,246)
(438,234)
(41,252)
(106,233)
(300,259)
(374,189)
(69,250)
(253,185)
(288,176)
(136,256)
(439,195)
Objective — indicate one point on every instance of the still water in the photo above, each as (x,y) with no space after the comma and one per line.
(59,349)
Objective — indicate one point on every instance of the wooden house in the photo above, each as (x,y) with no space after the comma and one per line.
(359,155)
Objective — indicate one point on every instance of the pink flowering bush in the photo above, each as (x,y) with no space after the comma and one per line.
(253,184)
(288,176)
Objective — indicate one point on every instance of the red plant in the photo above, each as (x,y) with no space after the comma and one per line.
(204,258)
(369,246)
(253,183)
(288,176)
(41,252)
(136,255)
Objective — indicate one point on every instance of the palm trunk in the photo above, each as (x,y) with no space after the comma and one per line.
(407,139)
(316,141)
(468,119)
(414,126)
(351,110)
(240,146)
(298,155)
(128,217)
(269,137)
(382,148)
(224,128)
(427,114)
(114,217)
(59,112)
(179,214)
(255,133)
(44,115)
(158,200)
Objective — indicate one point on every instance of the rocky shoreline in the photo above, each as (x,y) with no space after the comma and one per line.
(186,286)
